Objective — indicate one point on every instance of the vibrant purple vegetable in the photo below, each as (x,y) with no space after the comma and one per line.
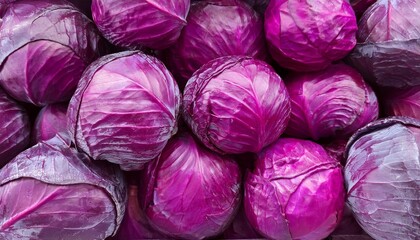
(216,28)
(125,109)
(382,177)
(296,191)
(236,105)
(330,103)
(50,121)
(51,191)
(45,47)
(190,192)
(132,23)
(388,49)
(360,6)
(309,35)
(404,102)
(15,128)
(134,225)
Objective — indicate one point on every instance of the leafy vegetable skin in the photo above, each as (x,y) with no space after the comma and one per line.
(135,225)
(125,109)
(190,192)
(296,191)
(330,103)
(61,39)
(388,49)
(15,128)
(236,105)
(230,27)
(51,120)
(132,23)
(309,35)
(51,191)
(404,102)
(382,177)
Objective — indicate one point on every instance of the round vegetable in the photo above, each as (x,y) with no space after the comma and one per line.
(125,109)
(45,47)
(190,192)
(51,191)
(309,35)
(296,191)
(382,178)
(330,103)
(388,49)
(216,28)
(236,105)
(132,23)
(15,128)
(51,120)
(404,102)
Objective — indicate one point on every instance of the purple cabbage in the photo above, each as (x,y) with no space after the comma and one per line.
(403,102)
(309,35)
(135,225)
(15,128)
(190,192)
(51,120)
(45,47)
(330,103)
(388,49)
(125,109)
(216,28)
(155,24)
(51,191)
(296,191)
(382,177)
(236,105)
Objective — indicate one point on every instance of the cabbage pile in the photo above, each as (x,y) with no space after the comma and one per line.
(209,119)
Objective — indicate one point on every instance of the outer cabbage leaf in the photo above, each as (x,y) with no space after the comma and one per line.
(51,120)
(216,28)
(15,128)
(388,49)
(382,177)
(404,102)
(236,105)
(331,103)
(51,191)
(125,109)
(132,23)
(61,39)
(296,191)
(309,35)
(190,192)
